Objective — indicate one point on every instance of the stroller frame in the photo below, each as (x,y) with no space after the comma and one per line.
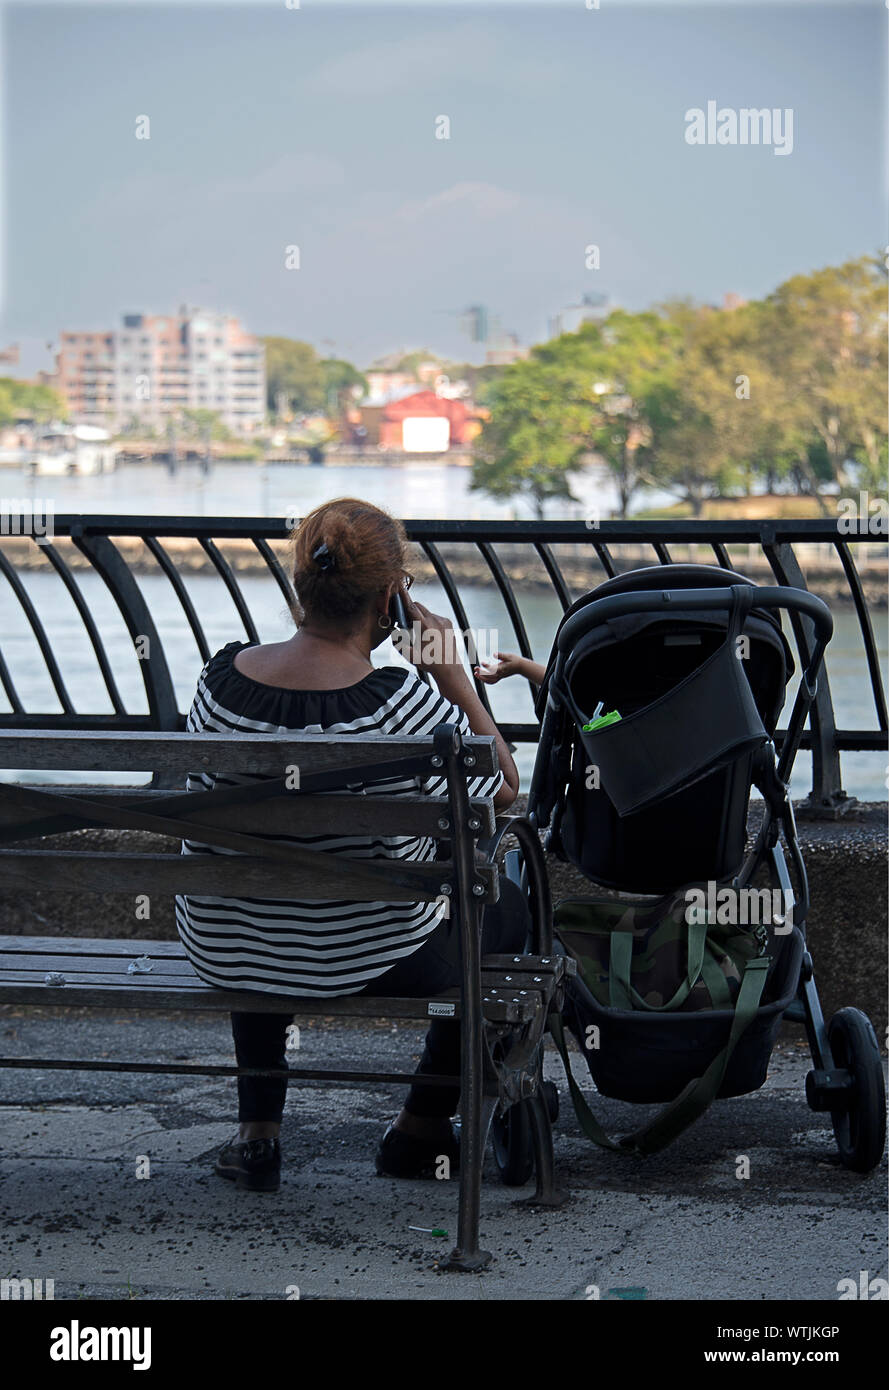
(846,1076)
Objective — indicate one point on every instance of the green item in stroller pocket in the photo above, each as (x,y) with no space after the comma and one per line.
(602,721)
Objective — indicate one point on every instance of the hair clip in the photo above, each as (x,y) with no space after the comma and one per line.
(323,558)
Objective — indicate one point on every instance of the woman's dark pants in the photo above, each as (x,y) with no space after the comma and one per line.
(260,1039)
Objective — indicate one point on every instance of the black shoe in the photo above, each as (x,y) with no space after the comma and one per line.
(254,1164)
(403,1155)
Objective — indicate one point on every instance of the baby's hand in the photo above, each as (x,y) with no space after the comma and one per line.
(505,664)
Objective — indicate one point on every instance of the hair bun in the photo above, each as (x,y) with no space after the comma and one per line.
(323,557)
(340,540)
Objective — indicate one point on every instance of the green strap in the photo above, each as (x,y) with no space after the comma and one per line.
(622,995)
(620,963)
(698,1094)
(585,1117)
(675,1117)
(717,985)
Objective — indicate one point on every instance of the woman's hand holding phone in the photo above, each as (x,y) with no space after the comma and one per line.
(434,647)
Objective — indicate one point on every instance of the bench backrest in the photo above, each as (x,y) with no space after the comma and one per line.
(298,787)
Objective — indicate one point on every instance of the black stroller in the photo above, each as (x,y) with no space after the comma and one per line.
(658,709)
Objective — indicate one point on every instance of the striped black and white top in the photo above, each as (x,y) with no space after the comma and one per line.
(327,947)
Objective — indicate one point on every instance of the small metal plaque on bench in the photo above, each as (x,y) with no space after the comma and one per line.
(442,1010)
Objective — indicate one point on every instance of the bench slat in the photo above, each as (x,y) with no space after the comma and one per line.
(176,974)
(88,946)
(227,876)
(240,754)
(172,977)
(204,998)
(318,814)
(65,961)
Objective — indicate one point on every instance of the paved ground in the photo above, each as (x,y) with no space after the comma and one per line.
(681,1225)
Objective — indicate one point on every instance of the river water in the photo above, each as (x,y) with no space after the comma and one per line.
(412,491)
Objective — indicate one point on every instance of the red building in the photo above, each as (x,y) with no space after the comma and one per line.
(424,423)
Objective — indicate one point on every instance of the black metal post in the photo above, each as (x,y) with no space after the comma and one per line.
(466,1254)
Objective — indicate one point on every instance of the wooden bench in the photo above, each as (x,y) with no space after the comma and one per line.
(502,1002)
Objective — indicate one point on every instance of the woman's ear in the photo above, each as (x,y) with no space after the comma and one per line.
(380,625)
(385,597)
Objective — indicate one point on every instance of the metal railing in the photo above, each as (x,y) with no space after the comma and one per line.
(569,556)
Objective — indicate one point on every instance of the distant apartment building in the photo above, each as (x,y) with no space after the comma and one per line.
(593,308)
(386,379)
(155,366)
(506,350)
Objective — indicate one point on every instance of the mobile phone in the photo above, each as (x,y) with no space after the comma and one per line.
(398,614)
(397,611)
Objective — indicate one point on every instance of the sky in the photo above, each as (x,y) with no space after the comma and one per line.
(315,127)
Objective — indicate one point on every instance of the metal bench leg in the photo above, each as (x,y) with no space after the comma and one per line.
(547,1194)
(466,1255)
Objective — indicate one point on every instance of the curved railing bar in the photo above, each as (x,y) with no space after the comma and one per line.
(867,631)
(276,568)
(550,564)
(62,569)
(606,559)
(826,775)
(39,631)
(224,570)
(153,545)
(113,569)
(501,579)
(9,686)
(432,553)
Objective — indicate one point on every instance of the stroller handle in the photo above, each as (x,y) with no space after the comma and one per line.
(687,600)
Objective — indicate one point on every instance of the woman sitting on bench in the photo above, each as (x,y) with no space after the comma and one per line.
(348,563)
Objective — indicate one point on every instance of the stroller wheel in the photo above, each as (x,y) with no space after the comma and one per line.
(511,1136)
(513,1149)
(860,1128)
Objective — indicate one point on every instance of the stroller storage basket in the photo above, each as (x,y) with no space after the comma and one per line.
(651,1057)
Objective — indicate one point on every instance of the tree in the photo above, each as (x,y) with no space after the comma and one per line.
(624,370)
(27,400)
(205,424)
(340,381)
(600,390)
(718,431)
(825,338)
(479,378)
(534,437)
(295,374)
(410,362)
(704,401)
